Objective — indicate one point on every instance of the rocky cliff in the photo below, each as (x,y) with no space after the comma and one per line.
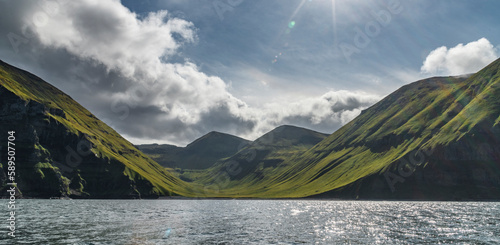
(61,149)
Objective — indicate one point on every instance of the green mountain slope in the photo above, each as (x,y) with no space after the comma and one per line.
(260,158)
(200,154)
(62,149)
(438,138)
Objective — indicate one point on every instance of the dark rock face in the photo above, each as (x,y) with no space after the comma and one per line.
(464,170)
(64,150)
(25,119)
(51,161)
(437,139)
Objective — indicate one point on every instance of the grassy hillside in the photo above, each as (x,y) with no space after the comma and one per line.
(437,138)
(50,127)
(263,157)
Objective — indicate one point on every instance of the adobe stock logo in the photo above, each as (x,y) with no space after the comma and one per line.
(74,158)
(223,6)
(363,36)
(48,8)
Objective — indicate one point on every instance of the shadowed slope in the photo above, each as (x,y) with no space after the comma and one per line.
(437,138)
(62,149)
(200,154)
(260,158)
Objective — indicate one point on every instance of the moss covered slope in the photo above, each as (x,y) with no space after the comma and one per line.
(63,149)
(437,138)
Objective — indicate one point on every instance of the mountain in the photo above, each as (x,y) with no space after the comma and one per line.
(263,155)
(61,149)
(434,139)
(162,154)
(273,148)
(200,154)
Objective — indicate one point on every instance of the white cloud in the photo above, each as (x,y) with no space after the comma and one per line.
(461,59)
(107,32)
(334,108)
(124,60)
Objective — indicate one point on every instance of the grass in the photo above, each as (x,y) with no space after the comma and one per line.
(428,114)
(436,113)
(107,143)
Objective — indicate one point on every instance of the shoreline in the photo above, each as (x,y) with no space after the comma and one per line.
(254,199)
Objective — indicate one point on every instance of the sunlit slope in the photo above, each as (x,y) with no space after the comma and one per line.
(254,163)
(438,124)
(51,129)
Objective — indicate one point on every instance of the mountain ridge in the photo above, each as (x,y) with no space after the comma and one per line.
(202,153)
(433,139)
(64,150)
(373,156)
(265,153)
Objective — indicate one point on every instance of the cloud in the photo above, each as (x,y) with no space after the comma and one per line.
(334,108)
(108,33)
(461,59)
(120,65)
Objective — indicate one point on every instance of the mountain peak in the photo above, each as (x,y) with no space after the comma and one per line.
(290,135)
(215,138)
(199,154)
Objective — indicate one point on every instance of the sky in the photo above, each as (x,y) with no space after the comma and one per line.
(170,71)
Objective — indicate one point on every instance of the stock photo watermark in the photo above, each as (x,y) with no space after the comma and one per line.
(136,94)
(364,35)
(74,158)
(233,167)
(223,6)
(11,172)
(406,167)
(223,179)
(39,19)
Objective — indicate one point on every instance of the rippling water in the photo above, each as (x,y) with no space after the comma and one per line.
(252,222)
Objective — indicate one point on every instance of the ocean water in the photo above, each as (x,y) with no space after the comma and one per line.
(251,222)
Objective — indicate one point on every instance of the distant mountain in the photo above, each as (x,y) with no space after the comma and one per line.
(437,139)
(434,139)
(273,148)
(162,154)
(200,154)
(61,149)
(262,155)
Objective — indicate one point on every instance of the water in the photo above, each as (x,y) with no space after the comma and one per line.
(252,222)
